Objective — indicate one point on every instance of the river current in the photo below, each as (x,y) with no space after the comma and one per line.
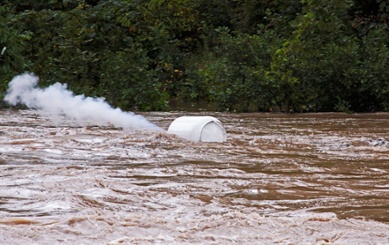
(279,179)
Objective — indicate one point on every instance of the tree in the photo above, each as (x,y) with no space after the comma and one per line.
(11,45)
(297,55)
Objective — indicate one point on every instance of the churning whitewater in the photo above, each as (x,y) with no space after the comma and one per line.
(57,101)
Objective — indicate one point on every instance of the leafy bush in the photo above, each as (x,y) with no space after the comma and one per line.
(293,56)
(11,58)
(331,69)
(234,72)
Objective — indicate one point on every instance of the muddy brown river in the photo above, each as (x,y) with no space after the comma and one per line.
(279,179)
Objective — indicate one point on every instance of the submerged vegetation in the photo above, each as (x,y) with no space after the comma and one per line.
(251,55)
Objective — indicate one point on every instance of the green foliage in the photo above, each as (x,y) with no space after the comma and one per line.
(326,66)
(135,85)
(11,59)
(296,56)
(234,72)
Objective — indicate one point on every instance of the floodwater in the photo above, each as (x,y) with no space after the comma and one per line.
(279,179)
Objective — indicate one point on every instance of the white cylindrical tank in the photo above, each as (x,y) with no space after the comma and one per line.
(198,128)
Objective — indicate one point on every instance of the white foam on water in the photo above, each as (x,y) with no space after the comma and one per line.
(57,101)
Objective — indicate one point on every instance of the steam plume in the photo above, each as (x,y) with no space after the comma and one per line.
(56,101)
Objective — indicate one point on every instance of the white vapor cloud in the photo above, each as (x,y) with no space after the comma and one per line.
(56,101)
